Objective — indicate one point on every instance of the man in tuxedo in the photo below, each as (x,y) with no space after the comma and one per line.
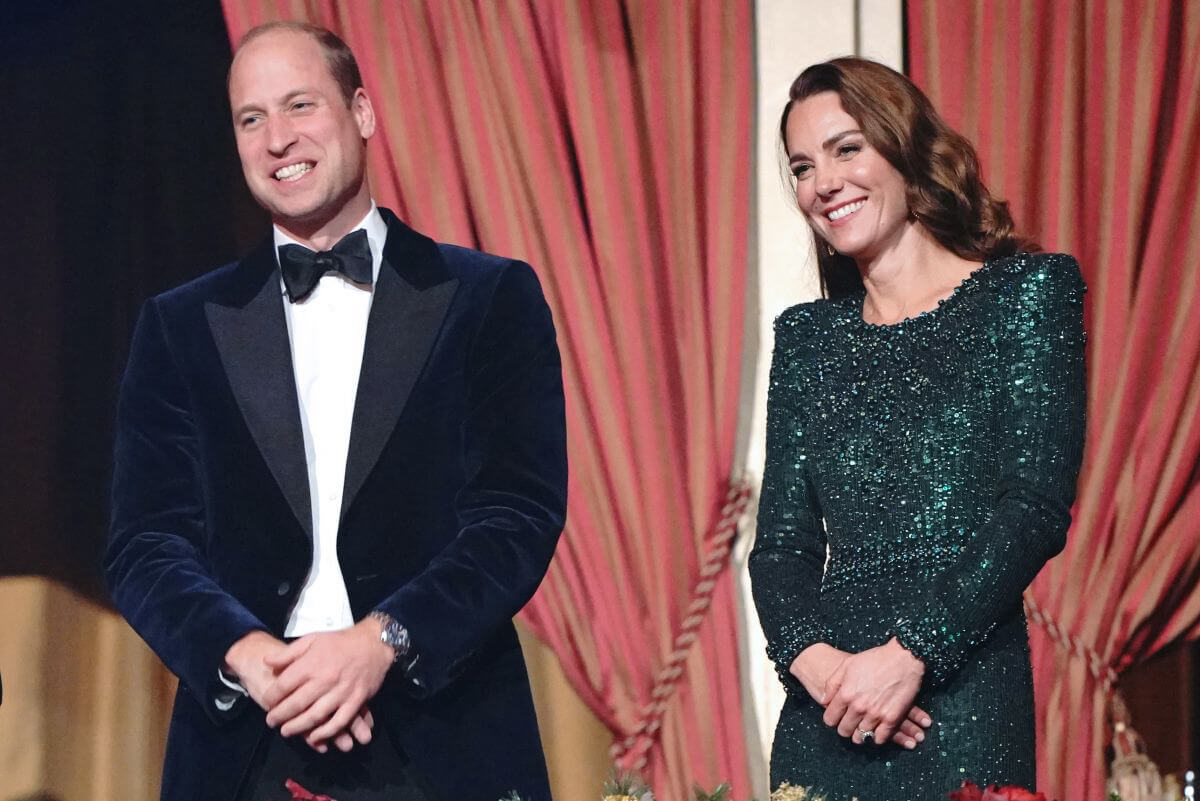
(340,470)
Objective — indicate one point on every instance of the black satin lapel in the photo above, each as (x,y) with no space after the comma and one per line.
(253,342)
(401,329)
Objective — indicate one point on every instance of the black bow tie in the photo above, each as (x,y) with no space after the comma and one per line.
(302,268)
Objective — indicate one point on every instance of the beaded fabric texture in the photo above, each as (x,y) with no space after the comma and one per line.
(937,459)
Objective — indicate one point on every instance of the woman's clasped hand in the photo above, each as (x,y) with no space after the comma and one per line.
(867,696)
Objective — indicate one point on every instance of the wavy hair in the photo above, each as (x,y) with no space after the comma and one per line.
(940,168)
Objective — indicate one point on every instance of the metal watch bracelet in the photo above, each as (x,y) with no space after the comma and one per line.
(393,635)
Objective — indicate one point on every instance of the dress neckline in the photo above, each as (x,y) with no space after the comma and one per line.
(962,289)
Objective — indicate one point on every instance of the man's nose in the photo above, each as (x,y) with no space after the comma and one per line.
(280,135)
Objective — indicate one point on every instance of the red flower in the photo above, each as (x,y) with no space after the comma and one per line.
(968,792)
(1010,792)
(300,794)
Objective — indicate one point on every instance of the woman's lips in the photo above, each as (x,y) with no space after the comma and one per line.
(843,213)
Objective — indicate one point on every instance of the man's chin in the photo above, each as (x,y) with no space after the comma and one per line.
(291,213)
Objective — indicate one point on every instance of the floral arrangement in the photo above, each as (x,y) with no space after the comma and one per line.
(786,792)
(622,786)
(630,787)
(972,792)
(721,793)
(300,794)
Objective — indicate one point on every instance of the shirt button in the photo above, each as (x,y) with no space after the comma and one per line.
(283,588)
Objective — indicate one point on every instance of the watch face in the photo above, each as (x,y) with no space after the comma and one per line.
(397,637)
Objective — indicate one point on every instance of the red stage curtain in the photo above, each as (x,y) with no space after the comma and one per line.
(1086,118)
(607,143)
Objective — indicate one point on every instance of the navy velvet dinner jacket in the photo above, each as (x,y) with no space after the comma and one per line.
(455,496)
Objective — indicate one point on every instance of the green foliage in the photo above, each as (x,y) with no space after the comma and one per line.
(719,793)
(620,782)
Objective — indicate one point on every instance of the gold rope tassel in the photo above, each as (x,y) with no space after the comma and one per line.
(1133,774)
(635,748)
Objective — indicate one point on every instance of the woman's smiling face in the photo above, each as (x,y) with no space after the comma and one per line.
(852,196)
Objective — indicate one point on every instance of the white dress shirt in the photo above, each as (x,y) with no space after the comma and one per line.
(328,330)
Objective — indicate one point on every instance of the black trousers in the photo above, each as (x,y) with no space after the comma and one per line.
(372,772)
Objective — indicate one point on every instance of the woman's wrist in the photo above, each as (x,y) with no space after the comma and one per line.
(812,653)
(913,660)
(814,664)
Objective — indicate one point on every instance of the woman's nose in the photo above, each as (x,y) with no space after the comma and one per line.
(827,182)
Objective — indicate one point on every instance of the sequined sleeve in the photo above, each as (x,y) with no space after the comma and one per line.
(1044,407)
(788,558)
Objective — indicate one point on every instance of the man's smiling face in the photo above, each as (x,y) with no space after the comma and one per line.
(302,147)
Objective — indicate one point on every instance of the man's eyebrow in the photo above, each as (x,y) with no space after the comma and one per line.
(828,143)
(244,108)
(292,95)
(282,101)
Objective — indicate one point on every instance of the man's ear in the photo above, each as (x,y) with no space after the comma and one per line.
(364,112)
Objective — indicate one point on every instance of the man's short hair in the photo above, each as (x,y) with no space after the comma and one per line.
(338,57)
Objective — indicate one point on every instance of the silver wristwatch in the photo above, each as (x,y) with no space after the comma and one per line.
(394,635)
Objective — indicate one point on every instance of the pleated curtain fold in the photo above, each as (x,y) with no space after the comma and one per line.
(1087,121)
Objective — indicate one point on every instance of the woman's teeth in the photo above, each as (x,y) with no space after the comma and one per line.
(842,211)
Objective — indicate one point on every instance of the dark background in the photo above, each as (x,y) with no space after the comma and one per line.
(121,181)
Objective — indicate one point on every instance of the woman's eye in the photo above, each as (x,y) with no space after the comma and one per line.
(844,149)
(800,170)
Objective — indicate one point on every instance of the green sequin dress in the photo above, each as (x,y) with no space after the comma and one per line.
(937,459)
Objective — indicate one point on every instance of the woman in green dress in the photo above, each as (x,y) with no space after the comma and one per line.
(924,435)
